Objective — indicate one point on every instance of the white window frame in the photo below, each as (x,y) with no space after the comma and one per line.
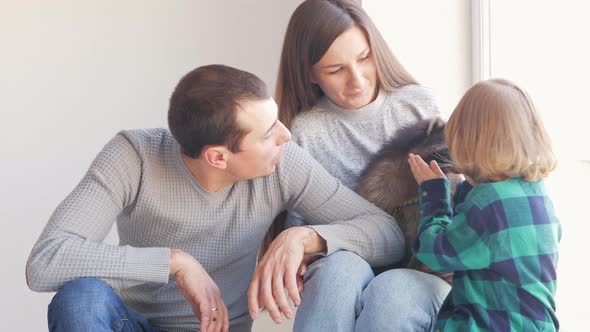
(480,40)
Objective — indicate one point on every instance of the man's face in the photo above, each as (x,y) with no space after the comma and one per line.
(262,148)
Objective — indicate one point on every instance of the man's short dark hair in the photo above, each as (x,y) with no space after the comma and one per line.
(203,107)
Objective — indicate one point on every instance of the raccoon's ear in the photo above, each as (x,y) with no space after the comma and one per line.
(435,125)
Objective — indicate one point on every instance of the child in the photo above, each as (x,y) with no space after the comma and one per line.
(501,243)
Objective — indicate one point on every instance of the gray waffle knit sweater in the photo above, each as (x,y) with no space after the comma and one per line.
(140,182)
(344,141)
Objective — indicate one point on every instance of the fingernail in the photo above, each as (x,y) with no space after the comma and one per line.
(278,321)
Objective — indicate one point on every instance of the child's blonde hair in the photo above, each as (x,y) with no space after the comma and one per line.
(495,133)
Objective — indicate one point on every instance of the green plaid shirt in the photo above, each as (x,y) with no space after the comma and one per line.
(502,245)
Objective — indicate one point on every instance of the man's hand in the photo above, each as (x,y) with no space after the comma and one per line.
(200,291)
(422,171)
(278,269)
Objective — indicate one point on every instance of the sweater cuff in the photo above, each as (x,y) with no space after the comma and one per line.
(435,197)
(435,190)
(332,236)
(147,264)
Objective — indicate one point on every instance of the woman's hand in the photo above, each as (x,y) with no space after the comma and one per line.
(422,171)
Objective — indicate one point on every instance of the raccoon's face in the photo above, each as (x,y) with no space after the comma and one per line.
(436,149)
(440,154)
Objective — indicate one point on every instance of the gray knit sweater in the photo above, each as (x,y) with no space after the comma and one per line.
(344,141)
(140,182)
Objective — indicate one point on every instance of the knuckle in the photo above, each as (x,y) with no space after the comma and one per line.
(195,298)
(265,271)
(265,289)
(278,293)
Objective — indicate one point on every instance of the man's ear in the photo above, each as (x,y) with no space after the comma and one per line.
(216,156)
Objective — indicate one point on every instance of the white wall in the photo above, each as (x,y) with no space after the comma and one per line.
(432,39)
(73,73)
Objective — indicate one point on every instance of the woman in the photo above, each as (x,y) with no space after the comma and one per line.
(343,94)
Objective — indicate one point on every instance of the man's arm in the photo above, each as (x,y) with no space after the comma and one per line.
(277,270)
(342,220)
(339,216)
(71,245)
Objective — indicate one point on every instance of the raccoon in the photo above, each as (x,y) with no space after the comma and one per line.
(388,181)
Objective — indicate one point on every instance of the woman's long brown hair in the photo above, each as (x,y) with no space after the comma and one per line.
(313,27)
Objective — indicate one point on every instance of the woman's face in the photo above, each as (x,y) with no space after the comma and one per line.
(347,73)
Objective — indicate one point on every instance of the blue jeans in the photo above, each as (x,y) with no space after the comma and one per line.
(89,304)
(341,293)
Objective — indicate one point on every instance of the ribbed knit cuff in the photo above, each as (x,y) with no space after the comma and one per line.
(147,264)
(333,235)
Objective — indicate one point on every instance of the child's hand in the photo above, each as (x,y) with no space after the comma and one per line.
(422,171)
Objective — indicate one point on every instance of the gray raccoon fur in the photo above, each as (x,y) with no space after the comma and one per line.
(388,181)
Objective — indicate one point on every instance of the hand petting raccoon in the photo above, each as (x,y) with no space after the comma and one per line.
(423,171)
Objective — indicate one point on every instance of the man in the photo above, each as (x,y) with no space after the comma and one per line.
(192,206)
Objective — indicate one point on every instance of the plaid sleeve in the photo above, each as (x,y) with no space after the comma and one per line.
(445,243)
(463,188)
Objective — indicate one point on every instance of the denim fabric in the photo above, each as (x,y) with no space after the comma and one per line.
(341,293)
(89,304)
